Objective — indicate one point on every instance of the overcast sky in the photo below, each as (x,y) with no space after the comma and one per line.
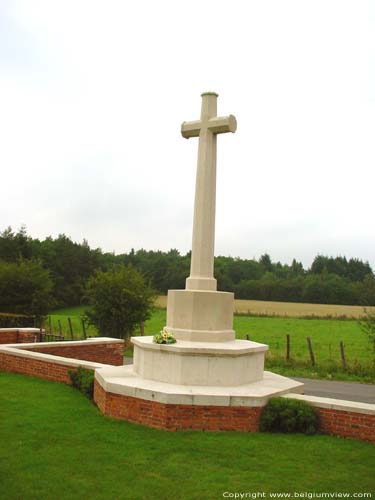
(92,98)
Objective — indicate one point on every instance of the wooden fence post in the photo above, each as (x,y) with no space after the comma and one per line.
(60,328)
(342,353)
(50,324)
(83,329)
(312,357)
(288,347)
(247,337)
(71,328)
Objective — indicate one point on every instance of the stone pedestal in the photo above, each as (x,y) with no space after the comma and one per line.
(230,363)
(200,315)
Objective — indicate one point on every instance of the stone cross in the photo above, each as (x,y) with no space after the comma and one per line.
(202,254)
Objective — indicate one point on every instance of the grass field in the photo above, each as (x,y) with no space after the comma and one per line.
(55,444)
(325,335)
(288,309)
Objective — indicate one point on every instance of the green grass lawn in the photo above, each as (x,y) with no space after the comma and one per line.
(325,335)
(55,444)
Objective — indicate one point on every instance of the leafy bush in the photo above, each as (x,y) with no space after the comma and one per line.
(289,415)
(367,325)
(83,380)
(119,300)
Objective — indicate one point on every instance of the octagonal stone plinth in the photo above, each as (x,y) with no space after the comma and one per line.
(229,363)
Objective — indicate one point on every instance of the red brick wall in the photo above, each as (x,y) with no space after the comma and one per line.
(9,337)
(35,367)
(347,424)
(26,337)
(109,353)
(220,418)
(16,337)
(177,417)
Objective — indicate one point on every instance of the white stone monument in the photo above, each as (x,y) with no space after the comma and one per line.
(207,365)
(200,313)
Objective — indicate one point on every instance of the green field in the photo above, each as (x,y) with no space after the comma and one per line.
(325,335)
(75,314)
(55,444)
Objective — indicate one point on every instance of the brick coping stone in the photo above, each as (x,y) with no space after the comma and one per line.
(335,404)
(27,329)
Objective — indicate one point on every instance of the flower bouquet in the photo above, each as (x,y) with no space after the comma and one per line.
(164,337)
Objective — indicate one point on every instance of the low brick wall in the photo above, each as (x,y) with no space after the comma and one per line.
(58,372)
(173,417)
(53,360)
(18,335)
(343,418)
(348,424)
(110,353)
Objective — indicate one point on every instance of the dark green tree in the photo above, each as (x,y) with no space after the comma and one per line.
(266,263)
(119,300)
(25,288)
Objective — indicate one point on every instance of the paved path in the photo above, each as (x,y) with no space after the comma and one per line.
(350,391)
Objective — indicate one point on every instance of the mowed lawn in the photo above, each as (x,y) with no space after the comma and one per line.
(55,444)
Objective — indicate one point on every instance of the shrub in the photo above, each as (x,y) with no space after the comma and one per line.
(83,380)
(289,415)
(119,300)
(367,325)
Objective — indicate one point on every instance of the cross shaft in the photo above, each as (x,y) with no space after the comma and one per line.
(202,255)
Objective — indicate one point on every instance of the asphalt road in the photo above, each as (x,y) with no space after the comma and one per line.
(350,391)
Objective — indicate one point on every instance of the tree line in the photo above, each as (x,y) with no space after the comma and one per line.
(66,266)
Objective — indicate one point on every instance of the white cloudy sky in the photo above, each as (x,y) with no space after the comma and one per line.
(93,94)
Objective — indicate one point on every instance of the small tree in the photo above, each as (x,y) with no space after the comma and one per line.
(367,324)
(119,300)
(25,288)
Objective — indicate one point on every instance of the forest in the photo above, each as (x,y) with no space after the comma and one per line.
(68,266)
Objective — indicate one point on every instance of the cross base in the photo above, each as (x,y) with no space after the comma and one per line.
(200,315)
(193,283)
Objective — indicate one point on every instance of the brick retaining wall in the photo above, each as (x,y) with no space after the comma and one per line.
(347,424)
(343,418)
(108,353)
(35,367)
(175,417)
(53,360)
(18,335)
(339,418)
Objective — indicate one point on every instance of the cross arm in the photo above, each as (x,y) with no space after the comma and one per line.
(191,129)
(217,125)
(222,124)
